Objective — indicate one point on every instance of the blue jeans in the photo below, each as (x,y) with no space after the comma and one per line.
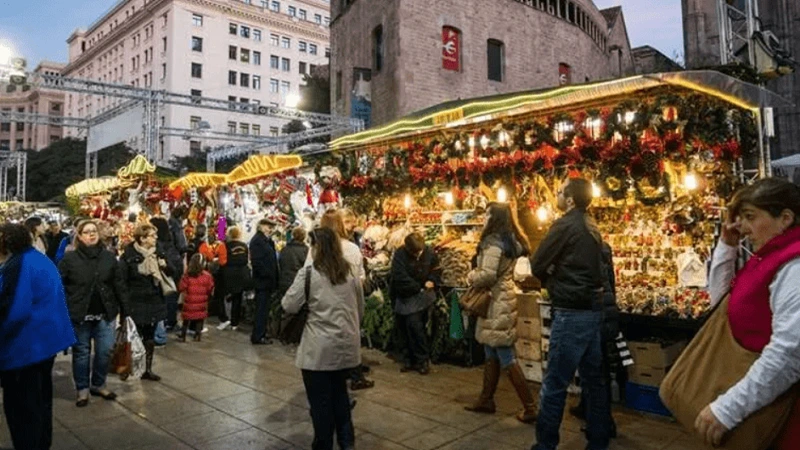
(574,344)
(102,332)
(263,303)
(503,354)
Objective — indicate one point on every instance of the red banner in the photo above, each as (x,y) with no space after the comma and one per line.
(451,49)
(564,74)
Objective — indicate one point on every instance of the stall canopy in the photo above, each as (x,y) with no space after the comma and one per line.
(93,186)
(458,113)
(788,167)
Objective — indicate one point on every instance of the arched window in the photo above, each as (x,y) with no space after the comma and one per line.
(495,58)
(451,48)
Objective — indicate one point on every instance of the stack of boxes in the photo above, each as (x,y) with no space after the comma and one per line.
(652,361)
(529,335)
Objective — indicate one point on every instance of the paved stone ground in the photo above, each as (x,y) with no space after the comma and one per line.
(224,393)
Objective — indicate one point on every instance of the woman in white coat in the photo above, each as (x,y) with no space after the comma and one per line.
(329,348)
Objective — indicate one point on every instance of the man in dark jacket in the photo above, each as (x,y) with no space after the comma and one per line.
(167,245)
(54,235)
(176,230)
(569,264)
(292,259)
(414,276)
(264,259)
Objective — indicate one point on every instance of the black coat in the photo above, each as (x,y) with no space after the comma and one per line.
(292,259)
(569,263)
(53,242)
(237,272)
(409,274)
(82,273)
(610,309)
(178,236)
(265,262)
(145,300)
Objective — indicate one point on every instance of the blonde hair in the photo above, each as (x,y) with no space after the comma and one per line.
(332,219)
(235,233)
(142,231)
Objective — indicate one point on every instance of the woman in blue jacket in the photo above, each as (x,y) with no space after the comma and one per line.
(34,327)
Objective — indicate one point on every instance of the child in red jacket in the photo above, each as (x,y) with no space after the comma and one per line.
(196,286)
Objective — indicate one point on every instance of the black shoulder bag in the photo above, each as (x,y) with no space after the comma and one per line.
(292,325)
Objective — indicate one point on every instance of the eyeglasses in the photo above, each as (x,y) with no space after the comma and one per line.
(89,232)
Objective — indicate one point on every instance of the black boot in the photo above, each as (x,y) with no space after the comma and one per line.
(149,347)
(184,329)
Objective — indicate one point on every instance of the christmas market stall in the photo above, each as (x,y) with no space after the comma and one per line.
(664,153)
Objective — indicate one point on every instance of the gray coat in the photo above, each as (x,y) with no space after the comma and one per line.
(332,335)
(495,272)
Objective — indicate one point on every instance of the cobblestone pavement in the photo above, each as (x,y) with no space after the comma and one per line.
(224,393)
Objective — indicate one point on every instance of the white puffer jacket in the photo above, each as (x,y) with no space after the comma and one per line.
(495,272)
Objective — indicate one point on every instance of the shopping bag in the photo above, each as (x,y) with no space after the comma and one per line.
(292,325)
(160,336)
(137,349)
(522,269)
(456,321)
(122,358)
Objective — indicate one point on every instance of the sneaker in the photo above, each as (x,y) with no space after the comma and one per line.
(234,328)
(205,330)
(224,325)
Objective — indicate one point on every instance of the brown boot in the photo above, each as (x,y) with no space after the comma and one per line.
(529,411)
(491,376)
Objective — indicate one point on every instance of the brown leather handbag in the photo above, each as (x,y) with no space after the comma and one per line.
(711,364)
(475,302)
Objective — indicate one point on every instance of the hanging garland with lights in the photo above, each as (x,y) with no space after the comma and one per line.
(627,144)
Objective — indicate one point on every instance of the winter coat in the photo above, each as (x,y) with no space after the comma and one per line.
(237,272)
(264,259)
(291,260)
(53,243)
(178,236)
(495,272)
(408,278)
(83,271)
(197,290)
(146,304)
(568,263)
(34,321)
(610,309)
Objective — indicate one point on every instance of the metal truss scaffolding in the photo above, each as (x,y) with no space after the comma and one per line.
(11,160)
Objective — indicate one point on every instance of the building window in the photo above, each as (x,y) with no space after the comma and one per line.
(286,42)
(339,85)
(197,20)
(195,147)
(244,128)
(318,19)
(196,94)
(273,131)
(232,77)
(232,52)
(20,143)
(197,44)
(197,70)
(275,40)
(327,52)
(292,11)
(244,103)
(20,126)
(285,87)
(232,104)
(244,80)
(257,35)
(302,66)
(244,31)
(194,122)
(244,55)
(274,62)
(302,46)
(233,29)
(494,57)
(286,64)
(256,82)
(256,130)
(273,85)
(303,15)
(312,49)
(275,6)
(257,58)
(55,107)
(327,21)
(232,127)
(163,71)
(377,48)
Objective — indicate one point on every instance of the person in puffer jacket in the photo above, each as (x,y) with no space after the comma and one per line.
(502,242)
(196,286)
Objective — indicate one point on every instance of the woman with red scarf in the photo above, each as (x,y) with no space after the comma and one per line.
(764,305)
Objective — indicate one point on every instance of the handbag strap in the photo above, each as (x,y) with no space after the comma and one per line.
(308,283)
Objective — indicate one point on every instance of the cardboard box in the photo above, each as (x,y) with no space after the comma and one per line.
(647,376)
(545,310)
(528,349)
(531,369)
(528,305)
(652,354)
(545,345)
(528,328)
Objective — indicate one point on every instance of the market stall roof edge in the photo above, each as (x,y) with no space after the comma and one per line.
(457,113)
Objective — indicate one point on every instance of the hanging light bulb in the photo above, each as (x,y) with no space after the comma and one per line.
(471,142)
(458,146)
(690,181)
(596,192)
(502,195)
(629,117)
(407,201)
(484,141)
(448,199)
(542,214)
(502,137)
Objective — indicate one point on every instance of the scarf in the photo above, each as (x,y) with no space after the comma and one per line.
(90,251)
(149,267)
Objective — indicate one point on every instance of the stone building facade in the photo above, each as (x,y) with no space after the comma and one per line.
(701,42)
(393,57)
(31,100)
(254,51)
(649,60)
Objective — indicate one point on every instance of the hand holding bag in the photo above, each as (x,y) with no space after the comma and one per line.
(711,364)
(292,325)
(475,302)
(122,358)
